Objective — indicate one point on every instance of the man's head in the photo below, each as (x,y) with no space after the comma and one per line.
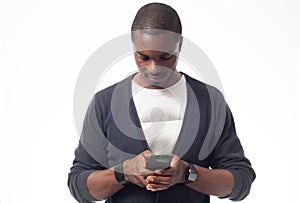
(156,35)
(157,16)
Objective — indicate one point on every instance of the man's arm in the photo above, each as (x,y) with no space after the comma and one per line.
(229,155)
(90,181)
(218,182)
(83,166)
(103,184)
(91,178)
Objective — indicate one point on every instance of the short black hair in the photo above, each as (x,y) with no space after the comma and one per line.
(157,16)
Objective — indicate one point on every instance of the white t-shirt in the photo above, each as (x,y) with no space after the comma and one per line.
(161,112)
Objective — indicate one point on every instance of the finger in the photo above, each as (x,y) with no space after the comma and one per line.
(168,172)
(141,181)
(146,172)
(166,180)
(174,161)
(146,153)
(156,187)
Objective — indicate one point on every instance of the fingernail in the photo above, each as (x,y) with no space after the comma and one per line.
(149,180)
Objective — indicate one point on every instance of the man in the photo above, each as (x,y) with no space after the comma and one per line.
(159,111)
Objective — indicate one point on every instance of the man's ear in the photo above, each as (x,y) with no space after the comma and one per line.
(180,43)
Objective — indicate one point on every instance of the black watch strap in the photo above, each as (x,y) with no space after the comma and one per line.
(119,175)
(191,174)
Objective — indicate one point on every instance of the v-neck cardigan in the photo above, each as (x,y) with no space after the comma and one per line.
(112,133)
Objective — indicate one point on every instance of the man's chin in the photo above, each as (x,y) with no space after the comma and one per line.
(157,83)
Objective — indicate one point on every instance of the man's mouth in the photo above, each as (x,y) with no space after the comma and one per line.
(155,77)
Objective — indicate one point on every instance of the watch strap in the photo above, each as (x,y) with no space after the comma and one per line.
(191,170)
(119,175)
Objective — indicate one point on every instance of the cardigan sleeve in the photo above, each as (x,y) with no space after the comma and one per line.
(229,154)
(90,155)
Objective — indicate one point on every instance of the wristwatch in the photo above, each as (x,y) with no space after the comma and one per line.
(191,174)
(119,175)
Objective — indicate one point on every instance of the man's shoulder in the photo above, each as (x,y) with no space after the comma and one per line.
(107,93)
(202,88)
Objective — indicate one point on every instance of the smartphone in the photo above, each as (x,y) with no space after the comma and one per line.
(154,162)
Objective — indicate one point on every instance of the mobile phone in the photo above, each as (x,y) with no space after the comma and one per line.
(154,162)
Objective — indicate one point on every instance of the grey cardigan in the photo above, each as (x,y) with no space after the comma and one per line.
(112,133)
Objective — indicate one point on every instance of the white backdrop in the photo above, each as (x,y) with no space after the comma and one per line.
(254,46)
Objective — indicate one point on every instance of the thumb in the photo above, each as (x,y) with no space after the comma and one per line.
(147,153)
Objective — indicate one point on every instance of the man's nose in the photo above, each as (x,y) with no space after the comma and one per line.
(154,67)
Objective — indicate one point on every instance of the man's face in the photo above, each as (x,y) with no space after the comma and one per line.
(156,56)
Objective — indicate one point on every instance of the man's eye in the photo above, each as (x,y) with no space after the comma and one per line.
(144,58)
(166,56)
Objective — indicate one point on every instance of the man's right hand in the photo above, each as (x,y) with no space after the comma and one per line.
(135,169)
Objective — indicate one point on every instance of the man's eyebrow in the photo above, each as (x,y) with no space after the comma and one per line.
(139,53)
(169,52)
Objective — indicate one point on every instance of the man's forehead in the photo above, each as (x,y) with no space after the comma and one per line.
(160,41)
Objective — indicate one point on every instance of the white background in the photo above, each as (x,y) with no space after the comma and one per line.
(254,46)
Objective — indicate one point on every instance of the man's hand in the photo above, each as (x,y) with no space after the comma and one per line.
(135,169)
(163,179)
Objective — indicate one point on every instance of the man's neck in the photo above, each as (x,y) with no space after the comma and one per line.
(174,78)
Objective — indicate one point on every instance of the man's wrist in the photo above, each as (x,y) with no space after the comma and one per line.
(185,170)
(191,174)
(119,174)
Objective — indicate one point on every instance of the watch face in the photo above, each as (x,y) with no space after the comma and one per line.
(192,177)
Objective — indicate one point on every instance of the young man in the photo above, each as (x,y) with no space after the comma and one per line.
(159,111)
